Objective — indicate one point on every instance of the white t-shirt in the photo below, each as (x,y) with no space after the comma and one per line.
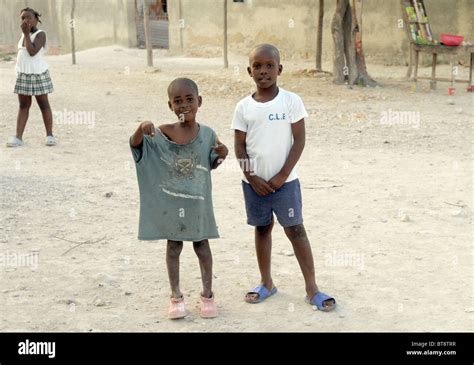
(268,127)
(31,64)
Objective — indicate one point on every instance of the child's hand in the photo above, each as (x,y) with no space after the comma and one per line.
(148,128)
(260,186)
(220,149)
(25,27)
(277,181)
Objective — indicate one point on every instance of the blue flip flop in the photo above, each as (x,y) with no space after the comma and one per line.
(318,299)
(262,292)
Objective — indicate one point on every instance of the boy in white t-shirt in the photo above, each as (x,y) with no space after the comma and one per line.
(269,139)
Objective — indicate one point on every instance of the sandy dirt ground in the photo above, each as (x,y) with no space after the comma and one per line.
(387,204)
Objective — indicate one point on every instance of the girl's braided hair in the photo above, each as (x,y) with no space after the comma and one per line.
(34,12)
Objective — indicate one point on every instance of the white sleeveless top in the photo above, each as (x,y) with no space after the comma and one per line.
(28,64)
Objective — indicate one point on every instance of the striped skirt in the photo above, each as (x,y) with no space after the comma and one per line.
(33,84)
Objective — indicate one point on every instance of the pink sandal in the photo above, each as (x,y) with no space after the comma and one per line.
(208,307)
(177,308)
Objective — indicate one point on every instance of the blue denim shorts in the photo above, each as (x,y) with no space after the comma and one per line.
(286,203)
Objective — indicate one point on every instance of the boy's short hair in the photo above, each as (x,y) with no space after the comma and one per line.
(183,80)
(266,47)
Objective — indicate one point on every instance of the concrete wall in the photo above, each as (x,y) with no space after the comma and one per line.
(290,24)
(257,21)
(98,22)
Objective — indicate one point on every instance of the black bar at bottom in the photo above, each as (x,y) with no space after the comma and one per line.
(137,348)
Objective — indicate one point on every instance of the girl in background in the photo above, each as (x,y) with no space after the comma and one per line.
(32,77)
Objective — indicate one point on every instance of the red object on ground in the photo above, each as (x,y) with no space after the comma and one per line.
(451,39)
(470,89)
(451,91)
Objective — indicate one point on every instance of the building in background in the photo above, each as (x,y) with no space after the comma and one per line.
(292,26)
(159,24)
(195,27)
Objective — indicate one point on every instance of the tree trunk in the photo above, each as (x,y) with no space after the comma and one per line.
(349,62)
(363,76)
(339,61)
(349,48)
(319,40)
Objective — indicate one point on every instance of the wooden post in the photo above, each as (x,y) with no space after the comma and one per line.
(417,59)
(146,25)
(226,61)
(406,25)
(319,37)
(181,25)
(73,39)
(115,10)
(471,66)
(410,60)
(433,72)
(453,63)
